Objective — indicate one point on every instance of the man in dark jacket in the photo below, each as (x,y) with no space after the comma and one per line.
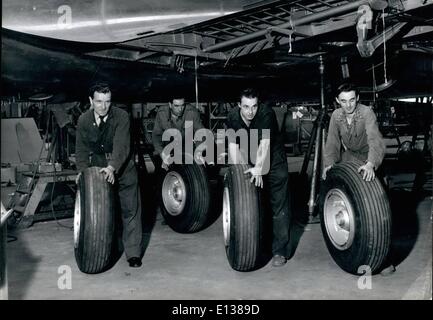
(103,140)
(270,168)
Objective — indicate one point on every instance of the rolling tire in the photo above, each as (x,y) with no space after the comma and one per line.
(242,220)
(185,198)
(355,219)
(93,222)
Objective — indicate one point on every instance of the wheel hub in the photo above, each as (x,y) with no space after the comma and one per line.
(174,193)
(339,219)
(342,219)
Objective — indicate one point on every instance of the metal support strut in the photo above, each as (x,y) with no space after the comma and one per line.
(318,140)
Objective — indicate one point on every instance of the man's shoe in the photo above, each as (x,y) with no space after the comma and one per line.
(134,262)
(388,271)
(278,261)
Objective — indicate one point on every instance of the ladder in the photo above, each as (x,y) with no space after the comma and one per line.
(29,193)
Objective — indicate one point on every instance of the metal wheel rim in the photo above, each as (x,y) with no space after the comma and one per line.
(339,219)
(77,219)
(226,216)
(174,193)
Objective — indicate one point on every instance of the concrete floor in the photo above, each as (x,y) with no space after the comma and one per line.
(194,266)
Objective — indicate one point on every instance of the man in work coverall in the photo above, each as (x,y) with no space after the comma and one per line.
(103,140)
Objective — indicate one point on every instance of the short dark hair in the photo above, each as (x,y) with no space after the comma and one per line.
(249,93)
(176,97)
(100,87)
(346,87)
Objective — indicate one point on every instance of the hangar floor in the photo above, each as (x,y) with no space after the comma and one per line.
(194,266)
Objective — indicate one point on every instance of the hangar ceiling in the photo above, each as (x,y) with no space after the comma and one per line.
(275,44)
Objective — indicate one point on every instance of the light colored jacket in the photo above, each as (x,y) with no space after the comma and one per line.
(360,140)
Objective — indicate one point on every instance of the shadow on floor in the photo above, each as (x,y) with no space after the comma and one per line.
(21,265)
(411,184)
(405,224)
(299,190)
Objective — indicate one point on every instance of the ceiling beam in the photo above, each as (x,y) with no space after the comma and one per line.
(304,20)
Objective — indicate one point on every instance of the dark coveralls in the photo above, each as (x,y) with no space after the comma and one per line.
(164,121)
(111,146)
(277,179)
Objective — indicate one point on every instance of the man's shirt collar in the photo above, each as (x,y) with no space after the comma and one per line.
(341,116)
(97,119)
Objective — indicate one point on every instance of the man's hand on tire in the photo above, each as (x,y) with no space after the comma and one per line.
(109,174)
(325,171)
(199,158)
(368,170)
(77,178)
(164,163)
(256,174)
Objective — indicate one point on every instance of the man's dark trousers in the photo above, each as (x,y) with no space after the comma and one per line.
(130,204)
(278,186)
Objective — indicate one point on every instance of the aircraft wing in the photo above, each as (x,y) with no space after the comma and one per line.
(246,39)
(110,20)
(271,36)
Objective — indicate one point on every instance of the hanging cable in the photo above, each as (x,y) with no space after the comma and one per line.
(290,36)
(290,43)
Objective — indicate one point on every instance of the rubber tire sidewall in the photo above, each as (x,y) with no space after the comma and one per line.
(195,214)
(246,244)
(96,233)
(372,238)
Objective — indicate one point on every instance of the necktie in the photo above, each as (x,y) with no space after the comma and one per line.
(101,123)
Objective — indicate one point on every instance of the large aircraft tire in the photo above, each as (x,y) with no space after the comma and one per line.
(185,198)
(242,220)
(93,222)
(355,219)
